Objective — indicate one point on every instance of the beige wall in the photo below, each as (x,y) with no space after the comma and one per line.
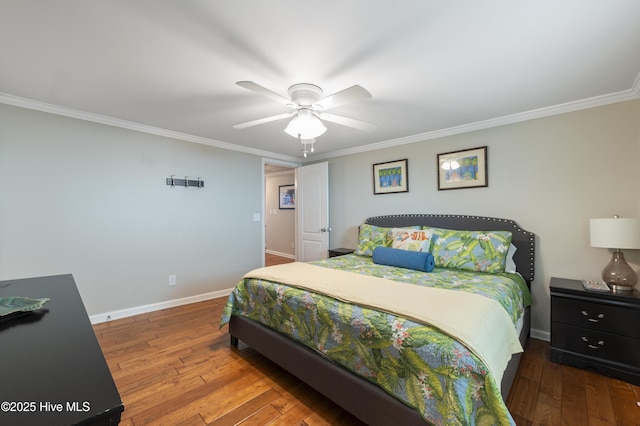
(551,175)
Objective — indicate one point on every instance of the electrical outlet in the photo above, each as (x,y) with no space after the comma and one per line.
(172,280)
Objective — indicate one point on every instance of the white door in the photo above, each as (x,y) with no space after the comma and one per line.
(312,212)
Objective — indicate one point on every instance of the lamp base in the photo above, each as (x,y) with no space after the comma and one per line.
(621,288)
(618,274)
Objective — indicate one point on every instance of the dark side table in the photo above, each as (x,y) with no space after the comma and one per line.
(53,370)
(340,251)
(596,330)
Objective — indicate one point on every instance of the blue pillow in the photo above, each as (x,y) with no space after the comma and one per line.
(417,260)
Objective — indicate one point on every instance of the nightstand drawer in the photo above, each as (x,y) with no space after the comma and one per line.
(596,316)
(597,344)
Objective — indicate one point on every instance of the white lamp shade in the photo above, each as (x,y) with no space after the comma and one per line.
(305,125)
(615,233)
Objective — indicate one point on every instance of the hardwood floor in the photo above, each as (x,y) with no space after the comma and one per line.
(175,367)
(272,259)
(546,393)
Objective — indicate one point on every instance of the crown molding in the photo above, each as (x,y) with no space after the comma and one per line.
(597,101)
(8,99)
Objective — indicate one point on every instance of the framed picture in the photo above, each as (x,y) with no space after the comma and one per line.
(390,177)
(287,196)
(463,169)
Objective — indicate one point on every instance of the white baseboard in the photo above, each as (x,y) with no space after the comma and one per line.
(541,335)
(277,253)
(124,313)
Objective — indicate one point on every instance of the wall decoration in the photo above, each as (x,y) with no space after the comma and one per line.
(391,177)
(463,169)
(186,182)
(287,196)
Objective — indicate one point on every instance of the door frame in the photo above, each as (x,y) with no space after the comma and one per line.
(273,162)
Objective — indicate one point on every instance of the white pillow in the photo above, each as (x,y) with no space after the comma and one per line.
(510,265)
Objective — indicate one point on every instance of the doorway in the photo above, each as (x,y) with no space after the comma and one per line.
(279,220)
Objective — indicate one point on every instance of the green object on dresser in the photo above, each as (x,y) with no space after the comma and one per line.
(10,305)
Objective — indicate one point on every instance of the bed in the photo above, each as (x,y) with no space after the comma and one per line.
(387,367)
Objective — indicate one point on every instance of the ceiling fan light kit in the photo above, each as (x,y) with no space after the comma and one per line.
(308,103)
(305,125)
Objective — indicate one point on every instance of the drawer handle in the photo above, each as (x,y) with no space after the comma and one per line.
(586,314)
(589,345)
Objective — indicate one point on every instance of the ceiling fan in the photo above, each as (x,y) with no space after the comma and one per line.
(308,104)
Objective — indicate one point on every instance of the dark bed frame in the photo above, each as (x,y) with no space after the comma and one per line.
(362,398)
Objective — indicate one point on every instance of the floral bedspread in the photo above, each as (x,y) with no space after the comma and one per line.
(417,363)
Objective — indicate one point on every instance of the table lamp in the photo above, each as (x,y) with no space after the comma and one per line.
(617,233)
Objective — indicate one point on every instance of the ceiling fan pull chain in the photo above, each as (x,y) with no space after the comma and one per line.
(304,150)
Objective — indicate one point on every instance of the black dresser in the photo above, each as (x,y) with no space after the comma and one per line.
(53,371)
(596,330)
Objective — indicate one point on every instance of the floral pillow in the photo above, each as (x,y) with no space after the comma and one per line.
(411,239)
(481,251)
(372,236)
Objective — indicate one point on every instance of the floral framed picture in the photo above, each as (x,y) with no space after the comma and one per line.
(463,169)
(287,196)
(391,177)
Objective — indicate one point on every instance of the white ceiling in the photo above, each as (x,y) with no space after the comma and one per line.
(433,67)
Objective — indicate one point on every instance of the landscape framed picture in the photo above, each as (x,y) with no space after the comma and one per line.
(287,196)
(391,177)
(463,169)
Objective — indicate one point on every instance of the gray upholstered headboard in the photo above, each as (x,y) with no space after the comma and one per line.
(524,241)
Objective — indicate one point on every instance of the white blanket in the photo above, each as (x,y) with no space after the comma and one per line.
(480,323)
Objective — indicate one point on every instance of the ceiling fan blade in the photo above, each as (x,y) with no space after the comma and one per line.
(349,122)
(351,94)
(254,87)
(263,120)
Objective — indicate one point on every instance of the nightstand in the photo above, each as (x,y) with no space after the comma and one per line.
(595,329)
(340,252)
